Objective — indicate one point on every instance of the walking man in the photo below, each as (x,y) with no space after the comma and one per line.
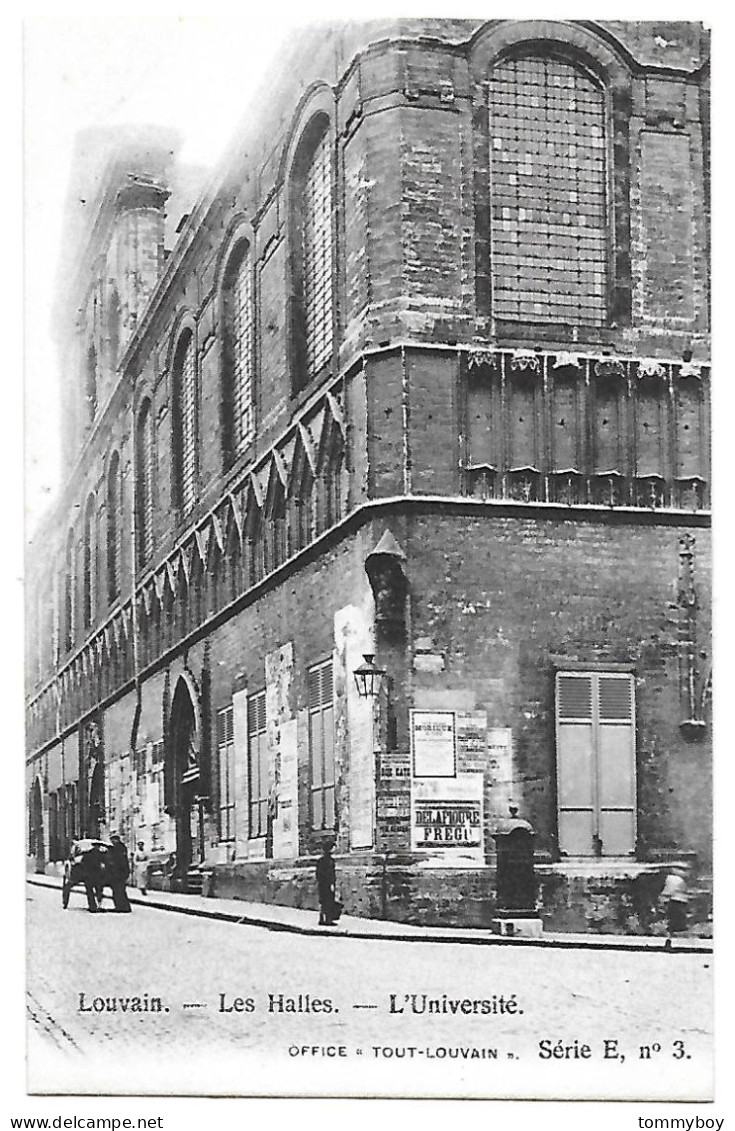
(118,870)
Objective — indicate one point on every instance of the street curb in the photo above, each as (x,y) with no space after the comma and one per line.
(607,942)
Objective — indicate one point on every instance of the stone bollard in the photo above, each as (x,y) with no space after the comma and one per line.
(516,912)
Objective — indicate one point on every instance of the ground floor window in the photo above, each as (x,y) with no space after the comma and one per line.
(321,746)
(257,765)
(226,762)
(596,775)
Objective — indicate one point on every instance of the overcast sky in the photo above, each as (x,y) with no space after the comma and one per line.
(193,72)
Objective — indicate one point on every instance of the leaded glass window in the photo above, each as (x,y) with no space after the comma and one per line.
(317,257)
(549,225)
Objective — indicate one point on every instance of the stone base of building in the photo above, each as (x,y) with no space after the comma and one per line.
(601,897)
(524,928)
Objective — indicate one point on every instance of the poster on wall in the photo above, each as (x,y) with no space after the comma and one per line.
(433,744)
(446,816)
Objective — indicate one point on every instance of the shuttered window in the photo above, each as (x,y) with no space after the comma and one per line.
(226,766)
(549,225)
(321,746)
(595,742)
(257,764)
(144,505)
(241,331)
(186,379)
(317,257)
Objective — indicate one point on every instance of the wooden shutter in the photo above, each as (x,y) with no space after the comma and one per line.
(321,744)
(616,764)
(575,771)
(595,742)
(225,762)
(258,764)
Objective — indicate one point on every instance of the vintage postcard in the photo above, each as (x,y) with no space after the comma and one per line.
(369,667)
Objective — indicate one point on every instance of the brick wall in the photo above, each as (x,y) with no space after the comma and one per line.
(506,600)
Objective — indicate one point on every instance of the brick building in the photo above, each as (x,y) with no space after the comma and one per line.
(420,372)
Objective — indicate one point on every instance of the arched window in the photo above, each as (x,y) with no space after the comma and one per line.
(114,318)
(114,524)
(311,265)
(90,562)
(185,422)
(144,482)
(90,383)
(69,583)
(548,165)
(335,484)
(238,371)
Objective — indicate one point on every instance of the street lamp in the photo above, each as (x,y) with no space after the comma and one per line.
(369,677)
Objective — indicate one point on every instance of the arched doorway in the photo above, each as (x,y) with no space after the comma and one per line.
(185,754)
(35,828)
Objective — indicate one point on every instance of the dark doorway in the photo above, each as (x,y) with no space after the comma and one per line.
(185,752)
(36,845)
(96,809)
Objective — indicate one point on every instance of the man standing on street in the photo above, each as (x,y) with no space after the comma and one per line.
(329,908)
(118,870)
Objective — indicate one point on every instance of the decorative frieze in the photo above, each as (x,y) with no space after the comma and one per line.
(630,437)
(567,487)
(651,368)
(524,484)
(609,368)
(479,358)
(525,361)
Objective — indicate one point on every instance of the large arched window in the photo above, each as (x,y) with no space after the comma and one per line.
(90,562)
(114,319)
(90,383)
(69,582)
(114,525)
(238,371)
(312,262)
(185,422)
(548,189)
(144,482)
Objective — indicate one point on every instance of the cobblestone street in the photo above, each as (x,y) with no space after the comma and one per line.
(221,1008)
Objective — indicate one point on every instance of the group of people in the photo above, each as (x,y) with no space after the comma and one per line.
(101,865)
(114,872)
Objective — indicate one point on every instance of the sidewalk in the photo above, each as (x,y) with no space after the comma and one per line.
(276,918)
